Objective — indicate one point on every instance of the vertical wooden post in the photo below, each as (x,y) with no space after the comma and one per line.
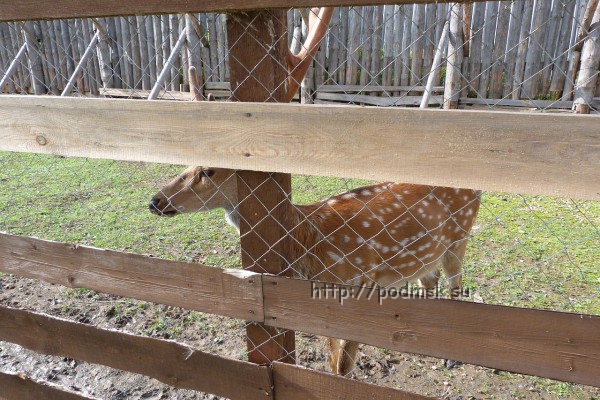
(588,73)
(257,53)
(455,57)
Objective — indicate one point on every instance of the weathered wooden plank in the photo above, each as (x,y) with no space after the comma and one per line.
(385,101)
(543,343)
(175,364)
(53,9)
(489,150)
(19,387)
(292,382)
(232,293)
(373,88)
(538,104)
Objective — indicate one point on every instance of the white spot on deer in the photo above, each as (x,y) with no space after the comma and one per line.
(360,240)
(412,264)
(358,260)
(347,196)
(425,246)
(388,209)
(395,248)
(385,249)
(425,203)
(332,201)
(469,212)
(421,211)
(366,224)
(397,205)
(346,238)
(393,231)
(334,256)
(466,198)
(377,190)
(457,229)
(456,190)
(366,193)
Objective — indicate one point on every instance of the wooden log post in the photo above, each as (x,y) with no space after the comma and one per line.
(455,58)
(258,50)
(35,59)
(588,73)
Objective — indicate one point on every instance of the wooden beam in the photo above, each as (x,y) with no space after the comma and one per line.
(174,364)
(55,9)
(292,382)
(257,53)
(548,344)
(489,150)
(232,293)
(19,387)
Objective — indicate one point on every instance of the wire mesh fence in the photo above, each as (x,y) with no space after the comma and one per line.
(519,53)
(408,240)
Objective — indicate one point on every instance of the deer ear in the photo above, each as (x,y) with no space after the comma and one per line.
(210,97)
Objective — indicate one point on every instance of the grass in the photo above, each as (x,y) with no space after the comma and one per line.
(537,252)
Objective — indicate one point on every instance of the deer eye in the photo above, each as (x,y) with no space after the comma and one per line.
(208,172)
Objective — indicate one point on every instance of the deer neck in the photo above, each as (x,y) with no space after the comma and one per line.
(233,217)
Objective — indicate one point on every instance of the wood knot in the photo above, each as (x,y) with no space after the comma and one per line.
(41,140)
(403,336)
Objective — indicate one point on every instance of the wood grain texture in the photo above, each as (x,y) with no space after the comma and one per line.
(172,363)
(258,50)
(293,382)
(53,9)
(550,154)
(543,343)
(232,293)
(19,387)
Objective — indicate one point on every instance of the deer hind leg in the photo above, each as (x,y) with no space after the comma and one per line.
(452,265)
(429,283)
(342,356)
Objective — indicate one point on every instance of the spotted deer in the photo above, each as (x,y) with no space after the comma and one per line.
(386,234)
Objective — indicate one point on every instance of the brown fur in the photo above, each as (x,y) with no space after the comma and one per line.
(386,234)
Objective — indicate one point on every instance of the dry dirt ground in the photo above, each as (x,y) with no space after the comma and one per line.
(224,336)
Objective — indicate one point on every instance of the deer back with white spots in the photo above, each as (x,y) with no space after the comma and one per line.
(386,234)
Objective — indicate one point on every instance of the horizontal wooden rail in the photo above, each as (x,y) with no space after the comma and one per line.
(292,382)
(19,387)
(234,293)
(548,344)
(52,9)
(169,362)
(534,153)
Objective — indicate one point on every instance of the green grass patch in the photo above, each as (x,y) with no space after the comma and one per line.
(538,252)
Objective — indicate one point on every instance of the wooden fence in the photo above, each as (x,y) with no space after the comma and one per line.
(424,146)
(516,51)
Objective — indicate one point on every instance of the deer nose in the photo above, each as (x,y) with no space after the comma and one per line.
(154,205)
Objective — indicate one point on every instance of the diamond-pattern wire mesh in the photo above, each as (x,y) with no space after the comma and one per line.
(536,252)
